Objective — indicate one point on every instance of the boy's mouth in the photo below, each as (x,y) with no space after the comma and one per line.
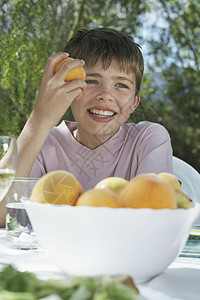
(101,113)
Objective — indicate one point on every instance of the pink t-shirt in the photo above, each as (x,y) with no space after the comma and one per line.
(134,149)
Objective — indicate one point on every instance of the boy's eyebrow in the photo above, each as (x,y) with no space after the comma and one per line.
(123,78)
(114,77)
(93,74)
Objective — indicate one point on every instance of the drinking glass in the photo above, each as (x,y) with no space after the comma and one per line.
(20,234)
(8,163)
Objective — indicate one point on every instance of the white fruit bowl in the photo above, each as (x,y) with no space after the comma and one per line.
(92,241)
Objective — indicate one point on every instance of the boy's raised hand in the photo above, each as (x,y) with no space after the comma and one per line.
(54,98)
(56,95)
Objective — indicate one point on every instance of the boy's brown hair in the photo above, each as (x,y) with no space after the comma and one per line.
(106,43)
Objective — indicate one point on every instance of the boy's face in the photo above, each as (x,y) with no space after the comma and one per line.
(107,102)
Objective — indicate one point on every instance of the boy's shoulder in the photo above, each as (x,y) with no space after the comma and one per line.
(142,125)
(145,127)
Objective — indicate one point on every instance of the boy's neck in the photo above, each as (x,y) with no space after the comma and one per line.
(92,141)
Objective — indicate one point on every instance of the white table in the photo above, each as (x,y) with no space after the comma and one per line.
(181,281)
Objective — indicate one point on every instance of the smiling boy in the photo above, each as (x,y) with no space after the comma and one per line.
(99,144)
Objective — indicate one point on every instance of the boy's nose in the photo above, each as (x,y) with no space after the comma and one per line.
(105,96)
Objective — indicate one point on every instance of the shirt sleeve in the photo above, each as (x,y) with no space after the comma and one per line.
(38,169)
(155,150)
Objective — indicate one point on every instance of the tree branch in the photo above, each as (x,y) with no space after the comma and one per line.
(77,18)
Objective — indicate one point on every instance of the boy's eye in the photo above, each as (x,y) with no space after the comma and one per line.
(91,81)
(122,85)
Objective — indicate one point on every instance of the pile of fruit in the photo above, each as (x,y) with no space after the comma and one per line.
(147,190)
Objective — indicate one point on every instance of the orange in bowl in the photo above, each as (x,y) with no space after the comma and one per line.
(148,191)
(57,187)
(99,197)
(77,73)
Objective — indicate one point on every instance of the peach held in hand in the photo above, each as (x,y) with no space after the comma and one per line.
(77,73)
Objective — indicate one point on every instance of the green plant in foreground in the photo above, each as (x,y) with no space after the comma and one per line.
(16,285)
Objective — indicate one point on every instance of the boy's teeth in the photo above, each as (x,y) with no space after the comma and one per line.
(101,113)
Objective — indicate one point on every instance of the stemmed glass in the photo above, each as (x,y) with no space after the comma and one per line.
(8,163)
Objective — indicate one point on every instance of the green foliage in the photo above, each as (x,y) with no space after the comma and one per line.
(18,285)
(175,56)
(21,49)
(31,31)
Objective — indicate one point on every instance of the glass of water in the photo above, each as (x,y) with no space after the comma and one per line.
(20,234)
(8,163)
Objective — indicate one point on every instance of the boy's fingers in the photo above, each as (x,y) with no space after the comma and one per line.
(51,63)
(67,67)
(74,85)
(75,94)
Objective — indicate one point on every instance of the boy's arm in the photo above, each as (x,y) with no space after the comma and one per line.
(54,98)
(29,144)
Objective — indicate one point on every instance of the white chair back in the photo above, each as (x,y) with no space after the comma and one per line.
(190,179)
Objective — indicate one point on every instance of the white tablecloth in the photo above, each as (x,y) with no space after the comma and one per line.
(181,281)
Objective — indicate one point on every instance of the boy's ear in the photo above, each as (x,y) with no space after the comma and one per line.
(136,101)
